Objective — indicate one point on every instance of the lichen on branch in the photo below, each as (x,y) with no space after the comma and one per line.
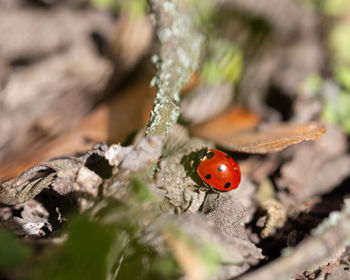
(179,55)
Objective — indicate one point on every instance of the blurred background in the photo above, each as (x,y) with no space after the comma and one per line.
(76,72)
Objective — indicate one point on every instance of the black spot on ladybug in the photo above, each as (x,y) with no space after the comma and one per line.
(208,176)
(210,155)
(227,185)
(227,156)
(221,168)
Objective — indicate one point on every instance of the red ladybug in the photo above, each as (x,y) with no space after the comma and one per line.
(219,171)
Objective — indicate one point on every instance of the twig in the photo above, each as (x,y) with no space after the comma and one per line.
(328,239)
(179,55)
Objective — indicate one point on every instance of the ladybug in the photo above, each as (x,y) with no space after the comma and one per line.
(219,171)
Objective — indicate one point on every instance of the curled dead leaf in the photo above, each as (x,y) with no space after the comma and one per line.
(226,125)
(276,138)
(271,139)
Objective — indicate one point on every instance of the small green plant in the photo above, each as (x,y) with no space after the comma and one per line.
(224,62)
(131,7)
(110,243)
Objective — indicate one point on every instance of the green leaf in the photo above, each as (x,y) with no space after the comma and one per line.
(166,266)
(12,251)
(83,256)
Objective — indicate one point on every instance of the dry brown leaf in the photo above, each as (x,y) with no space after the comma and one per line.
(235,119)
(271,139)
(112,121)
(275,138)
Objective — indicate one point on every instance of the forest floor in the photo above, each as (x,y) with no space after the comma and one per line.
(75,99)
